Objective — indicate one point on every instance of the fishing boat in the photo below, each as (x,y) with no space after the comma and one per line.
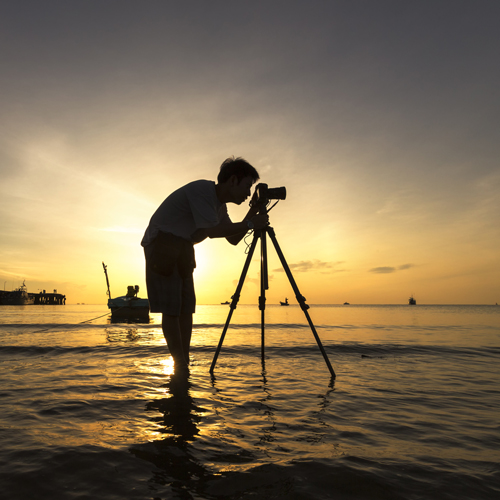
(225,303)
(128,307)
(412,301)
(285,303)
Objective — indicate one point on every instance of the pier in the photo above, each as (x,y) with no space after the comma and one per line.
(53,299)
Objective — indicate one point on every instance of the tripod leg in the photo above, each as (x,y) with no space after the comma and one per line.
(264,285)
(301,300)
(235,299)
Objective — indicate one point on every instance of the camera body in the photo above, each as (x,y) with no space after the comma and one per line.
(266,194)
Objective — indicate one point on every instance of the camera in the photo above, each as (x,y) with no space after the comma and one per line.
(265,194)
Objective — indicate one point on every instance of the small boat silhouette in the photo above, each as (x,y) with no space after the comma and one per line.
(128,307)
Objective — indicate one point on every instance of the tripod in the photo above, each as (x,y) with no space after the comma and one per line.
(264,285)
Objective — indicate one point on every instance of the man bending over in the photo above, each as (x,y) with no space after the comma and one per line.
(187,216)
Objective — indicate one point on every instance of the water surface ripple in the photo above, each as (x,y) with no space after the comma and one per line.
(93,410)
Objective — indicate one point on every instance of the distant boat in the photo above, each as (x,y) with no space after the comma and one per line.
(128,307)
(412,301)
(225,303)
(285,303)
(346,303)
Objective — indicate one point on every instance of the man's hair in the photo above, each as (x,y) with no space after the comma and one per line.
(238,167)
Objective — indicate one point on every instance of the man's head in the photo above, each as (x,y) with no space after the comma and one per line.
(238,167)
(235,180)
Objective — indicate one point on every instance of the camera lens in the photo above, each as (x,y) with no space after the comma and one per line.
(276,193)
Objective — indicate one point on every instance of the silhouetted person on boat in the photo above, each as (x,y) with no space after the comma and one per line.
(187,216)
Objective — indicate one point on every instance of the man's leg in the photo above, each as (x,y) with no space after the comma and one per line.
(186,323)
(177,333)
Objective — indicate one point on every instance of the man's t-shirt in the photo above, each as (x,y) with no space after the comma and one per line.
(192,207)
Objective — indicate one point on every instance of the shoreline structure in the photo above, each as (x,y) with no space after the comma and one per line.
(21,297)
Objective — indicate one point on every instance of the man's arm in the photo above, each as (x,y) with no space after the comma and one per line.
(258,222)
(235,231)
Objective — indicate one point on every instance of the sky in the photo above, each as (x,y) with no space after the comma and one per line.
(381,119)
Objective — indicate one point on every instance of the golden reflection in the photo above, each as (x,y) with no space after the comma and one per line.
(156,369)
(128,334)
(167,366)
(178,415)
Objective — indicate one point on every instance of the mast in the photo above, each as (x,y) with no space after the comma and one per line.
(107,280)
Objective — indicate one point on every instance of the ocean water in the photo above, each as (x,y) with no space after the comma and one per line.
(92,410)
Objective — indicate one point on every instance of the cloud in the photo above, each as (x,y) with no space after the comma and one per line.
(405,266)
(389,270)
(383,270)
(313,265)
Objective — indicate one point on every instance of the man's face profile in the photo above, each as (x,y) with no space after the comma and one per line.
(240,191)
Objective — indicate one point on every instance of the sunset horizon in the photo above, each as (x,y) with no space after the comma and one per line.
(381,122)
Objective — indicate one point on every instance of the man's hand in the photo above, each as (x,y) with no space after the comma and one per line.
(254,201)
(260,221)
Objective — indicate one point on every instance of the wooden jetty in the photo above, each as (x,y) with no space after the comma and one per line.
(53,299)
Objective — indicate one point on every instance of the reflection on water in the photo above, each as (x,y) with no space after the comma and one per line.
(176,417)
(121,335)
(207,435)
(179,414)
(112,319)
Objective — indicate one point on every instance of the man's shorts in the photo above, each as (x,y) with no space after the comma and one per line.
(172,295)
